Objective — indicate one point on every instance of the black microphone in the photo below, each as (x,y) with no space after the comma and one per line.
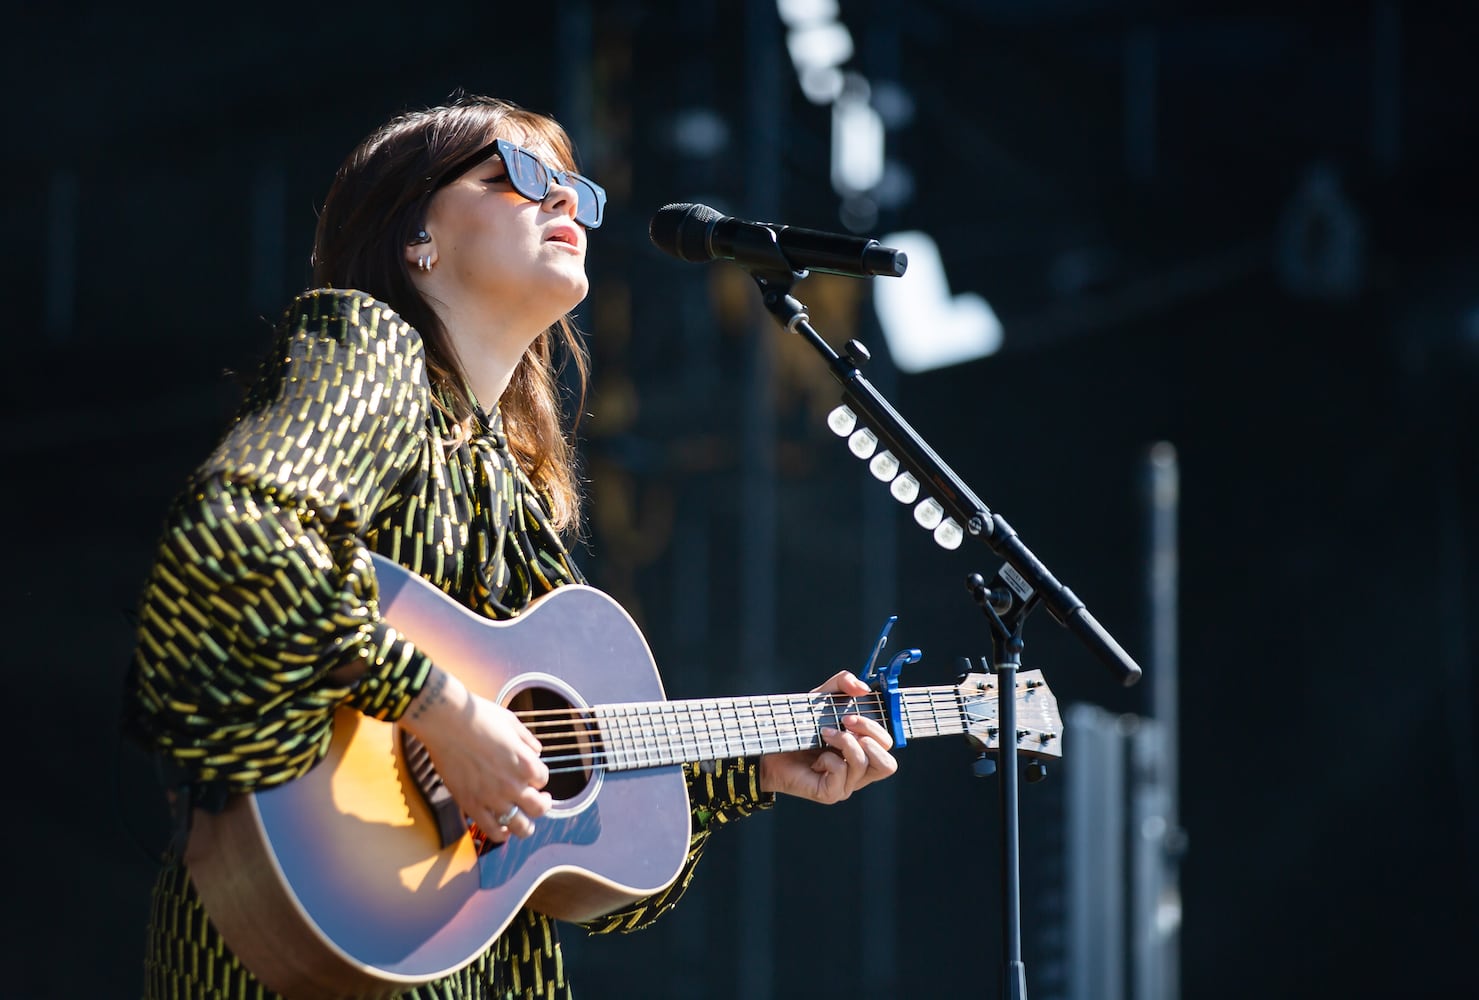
(697,233)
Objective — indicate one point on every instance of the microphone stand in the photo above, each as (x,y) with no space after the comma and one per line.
(1006,658)
(1026,580)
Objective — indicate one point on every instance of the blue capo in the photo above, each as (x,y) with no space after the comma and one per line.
(885,679)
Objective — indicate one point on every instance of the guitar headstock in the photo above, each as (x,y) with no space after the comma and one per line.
(1039,727)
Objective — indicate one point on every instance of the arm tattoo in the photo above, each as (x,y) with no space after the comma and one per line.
(431,695)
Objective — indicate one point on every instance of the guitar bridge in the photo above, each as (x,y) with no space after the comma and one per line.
(448,815)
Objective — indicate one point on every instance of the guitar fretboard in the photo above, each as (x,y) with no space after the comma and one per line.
(659,733)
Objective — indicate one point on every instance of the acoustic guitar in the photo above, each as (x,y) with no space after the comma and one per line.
(363,879)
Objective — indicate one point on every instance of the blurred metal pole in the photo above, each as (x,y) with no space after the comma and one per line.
(764,131)
(1095,846)
(1156,839)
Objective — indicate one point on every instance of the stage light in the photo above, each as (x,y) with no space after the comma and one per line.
(857,140)
(842,420)
(819,44)
(929,513)
(884,466)
(905,489)
(948,534)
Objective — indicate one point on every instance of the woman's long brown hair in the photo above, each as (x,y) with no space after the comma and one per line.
(376,206)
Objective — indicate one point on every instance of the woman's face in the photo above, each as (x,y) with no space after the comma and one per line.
(497,250)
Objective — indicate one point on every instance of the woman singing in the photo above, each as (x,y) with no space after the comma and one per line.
(409,408)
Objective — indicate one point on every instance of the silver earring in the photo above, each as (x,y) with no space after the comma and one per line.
(423,263)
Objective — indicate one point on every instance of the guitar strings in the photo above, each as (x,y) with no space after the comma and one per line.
(646,735)
(576,739)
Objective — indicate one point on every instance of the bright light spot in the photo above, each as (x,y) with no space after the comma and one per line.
(796,13)
(700,132)
(883,466)
(925,326)
(928,513)
(905,488)
(862,442)
(948,534)
(820,84)
(828,44)
(857,145)
(842,420)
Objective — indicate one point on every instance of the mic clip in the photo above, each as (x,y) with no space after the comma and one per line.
(758,250)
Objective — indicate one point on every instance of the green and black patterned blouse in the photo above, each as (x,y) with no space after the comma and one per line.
(259,618)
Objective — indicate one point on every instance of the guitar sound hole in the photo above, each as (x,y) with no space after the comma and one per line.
(568,739)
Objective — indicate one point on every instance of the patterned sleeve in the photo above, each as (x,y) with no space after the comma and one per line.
(259,617)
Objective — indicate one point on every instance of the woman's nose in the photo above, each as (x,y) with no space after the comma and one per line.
(561,198)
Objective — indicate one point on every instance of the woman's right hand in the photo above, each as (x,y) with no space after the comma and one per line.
(486,757)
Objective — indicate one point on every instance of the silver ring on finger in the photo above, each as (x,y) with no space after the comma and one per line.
(508,817)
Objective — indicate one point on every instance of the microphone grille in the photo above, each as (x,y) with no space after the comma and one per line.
(683,231)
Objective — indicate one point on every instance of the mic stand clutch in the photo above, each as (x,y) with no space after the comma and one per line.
(1025,581)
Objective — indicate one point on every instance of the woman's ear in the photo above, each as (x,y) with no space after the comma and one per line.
(421,251)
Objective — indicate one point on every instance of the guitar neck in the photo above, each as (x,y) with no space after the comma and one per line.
(659,733)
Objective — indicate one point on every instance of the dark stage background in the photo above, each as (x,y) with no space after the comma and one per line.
(1134,187)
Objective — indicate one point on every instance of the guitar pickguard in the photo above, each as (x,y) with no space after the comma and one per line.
(498,864)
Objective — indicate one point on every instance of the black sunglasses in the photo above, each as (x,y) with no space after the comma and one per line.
(529,176)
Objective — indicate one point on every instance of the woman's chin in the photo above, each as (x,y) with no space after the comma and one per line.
(573,291)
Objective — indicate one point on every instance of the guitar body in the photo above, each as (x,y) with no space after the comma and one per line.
(337,884)
(359,879)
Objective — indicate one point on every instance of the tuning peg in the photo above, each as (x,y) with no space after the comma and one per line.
(1035,772)
(962,668)
(857,353)
(984,766)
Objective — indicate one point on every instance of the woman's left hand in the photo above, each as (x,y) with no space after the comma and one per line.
(854,756)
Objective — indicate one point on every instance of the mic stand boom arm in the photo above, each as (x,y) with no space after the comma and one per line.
(943,484)
(1027,580)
